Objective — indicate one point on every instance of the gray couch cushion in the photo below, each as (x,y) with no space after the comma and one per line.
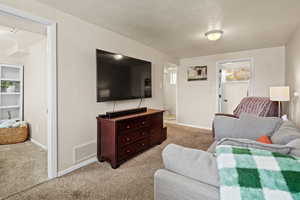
(257,145)
(225,127)
(192,163)
(267,125)
(286,133)
(295,144)
(247,126)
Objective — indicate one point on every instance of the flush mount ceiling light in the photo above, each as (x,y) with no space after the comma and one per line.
(214,35)
(118,57)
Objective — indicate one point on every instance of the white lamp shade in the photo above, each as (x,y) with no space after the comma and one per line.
(280,93)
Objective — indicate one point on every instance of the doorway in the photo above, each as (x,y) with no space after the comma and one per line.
(22,19)
(234,82)
(170,92)
(23,104)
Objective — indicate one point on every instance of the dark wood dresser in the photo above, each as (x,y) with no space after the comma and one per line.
(121,138)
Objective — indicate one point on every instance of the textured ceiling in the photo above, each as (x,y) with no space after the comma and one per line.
(177,27)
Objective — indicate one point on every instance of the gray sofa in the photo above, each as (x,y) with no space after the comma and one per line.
(191,174)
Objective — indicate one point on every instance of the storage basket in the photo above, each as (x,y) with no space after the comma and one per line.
(14,135)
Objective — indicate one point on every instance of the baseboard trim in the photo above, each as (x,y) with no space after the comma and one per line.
(194,126)
(77,166)
(38,144)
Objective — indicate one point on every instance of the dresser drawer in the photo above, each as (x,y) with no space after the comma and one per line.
(133,124)
(132,136)
(129,150)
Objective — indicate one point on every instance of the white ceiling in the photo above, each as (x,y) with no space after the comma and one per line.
(177,27)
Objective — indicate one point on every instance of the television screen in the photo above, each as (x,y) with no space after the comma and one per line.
(120,77)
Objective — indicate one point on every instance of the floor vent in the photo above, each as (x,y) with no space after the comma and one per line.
(84,151)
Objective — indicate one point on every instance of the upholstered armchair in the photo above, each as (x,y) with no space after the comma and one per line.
(259,106)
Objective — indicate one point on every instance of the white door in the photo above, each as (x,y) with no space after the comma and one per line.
(234,84)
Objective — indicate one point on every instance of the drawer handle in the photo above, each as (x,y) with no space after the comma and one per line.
(127,151)
(128,126)
(143,144)
(127,139)
(143,123)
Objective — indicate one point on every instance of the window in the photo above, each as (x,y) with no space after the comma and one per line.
(173,78)
(231,74)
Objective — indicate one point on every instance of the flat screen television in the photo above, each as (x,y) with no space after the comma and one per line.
(120,77)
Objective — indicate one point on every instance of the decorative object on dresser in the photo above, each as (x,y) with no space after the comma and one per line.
(121,138)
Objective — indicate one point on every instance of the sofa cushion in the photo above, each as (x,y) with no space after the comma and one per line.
(295,144)
(286,133)
(259,124)
(257,145)
(247,126)
(192,163)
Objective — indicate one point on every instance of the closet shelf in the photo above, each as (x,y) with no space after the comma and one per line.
(9,107)
(10,93)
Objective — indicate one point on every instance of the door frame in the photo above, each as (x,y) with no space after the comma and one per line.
(176,88)
(51,84)
(218,78)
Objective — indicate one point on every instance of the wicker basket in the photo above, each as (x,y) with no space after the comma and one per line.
(14,135)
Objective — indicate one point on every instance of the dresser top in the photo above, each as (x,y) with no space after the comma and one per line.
(149,112)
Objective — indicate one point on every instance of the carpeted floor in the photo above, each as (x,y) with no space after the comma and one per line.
(131,181)
(21,166)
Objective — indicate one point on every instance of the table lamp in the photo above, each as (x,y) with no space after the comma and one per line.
(280,94)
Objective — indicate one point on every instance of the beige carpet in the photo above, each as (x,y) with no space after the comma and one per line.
(131,181)
(21,166)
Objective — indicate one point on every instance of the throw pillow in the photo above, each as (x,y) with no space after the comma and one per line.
(264,139)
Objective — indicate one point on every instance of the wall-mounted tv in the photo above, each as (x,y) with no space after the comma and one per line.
(120,77)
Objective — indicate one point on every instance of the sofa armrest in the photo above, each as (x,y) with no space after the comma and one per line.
(172,186)
(196,164)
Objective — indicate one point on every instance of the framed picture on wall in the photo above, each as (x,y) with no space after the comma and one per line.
(197,73)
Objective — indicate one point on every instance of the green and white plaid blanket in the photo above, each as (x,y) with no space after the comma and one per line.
(253,174)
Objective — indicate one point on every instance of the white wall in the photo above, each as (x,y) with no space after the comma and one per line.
(11,60)
(77,43)
(35,91)
(293,74)
(197,101)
